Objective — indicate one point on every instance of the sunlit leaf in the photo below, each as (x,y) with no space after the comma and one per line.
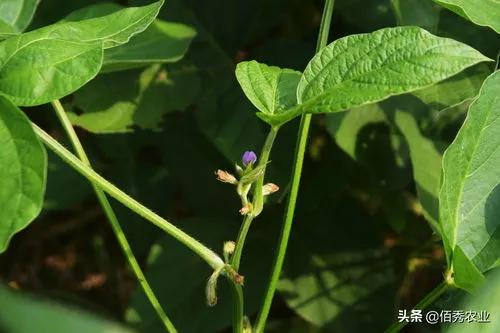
(56,60)
(366,68)
(272,90)
(161,42)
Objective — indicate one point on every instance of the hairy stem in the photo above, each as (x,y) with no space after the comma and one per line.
(292,199)
(110,214)
(423,304)
(204,252)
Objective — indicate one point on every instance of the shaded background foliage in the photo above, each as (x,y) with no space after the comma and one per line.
(361,247)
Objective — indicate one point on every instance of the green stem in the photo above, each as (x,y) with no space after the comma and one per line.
(423,304)
(204,252)
(106,206)
(258,204)
(238,307)
(258,201)
(240,241)
(297,170)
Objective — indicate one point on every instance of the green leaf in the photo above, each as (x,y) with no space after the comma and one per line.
(470,191)
(59,68)
(23,168)
(114,102)
(368,136)
(483,303)
(271,89)
(56,60)
(466,275)
(333,290)
(112,30)
(344,127)
(426,162)
(455,90)
(47,316)
(366,68)
(15,16)
(481,12)
(161,42)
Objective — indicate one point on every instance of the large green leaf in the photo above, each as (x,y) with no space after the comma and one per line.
(470,192)
(367,68)
(481,12)
(15,16)
(56,60)
(271,89)
(47,316)
(160,42)
(23,168)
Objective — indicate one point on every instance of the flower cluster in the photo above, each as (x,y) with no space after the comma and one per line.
(248,174)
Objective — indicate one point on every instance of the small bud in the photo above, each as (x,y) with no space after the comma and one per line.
(226,177)
(269,188)
(239,279)
(247,326)
(229,247)
(249,157)
(247,208)
(239,169)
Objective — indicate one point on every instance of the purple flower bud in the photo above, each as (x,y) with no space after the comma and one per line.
(249,157)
